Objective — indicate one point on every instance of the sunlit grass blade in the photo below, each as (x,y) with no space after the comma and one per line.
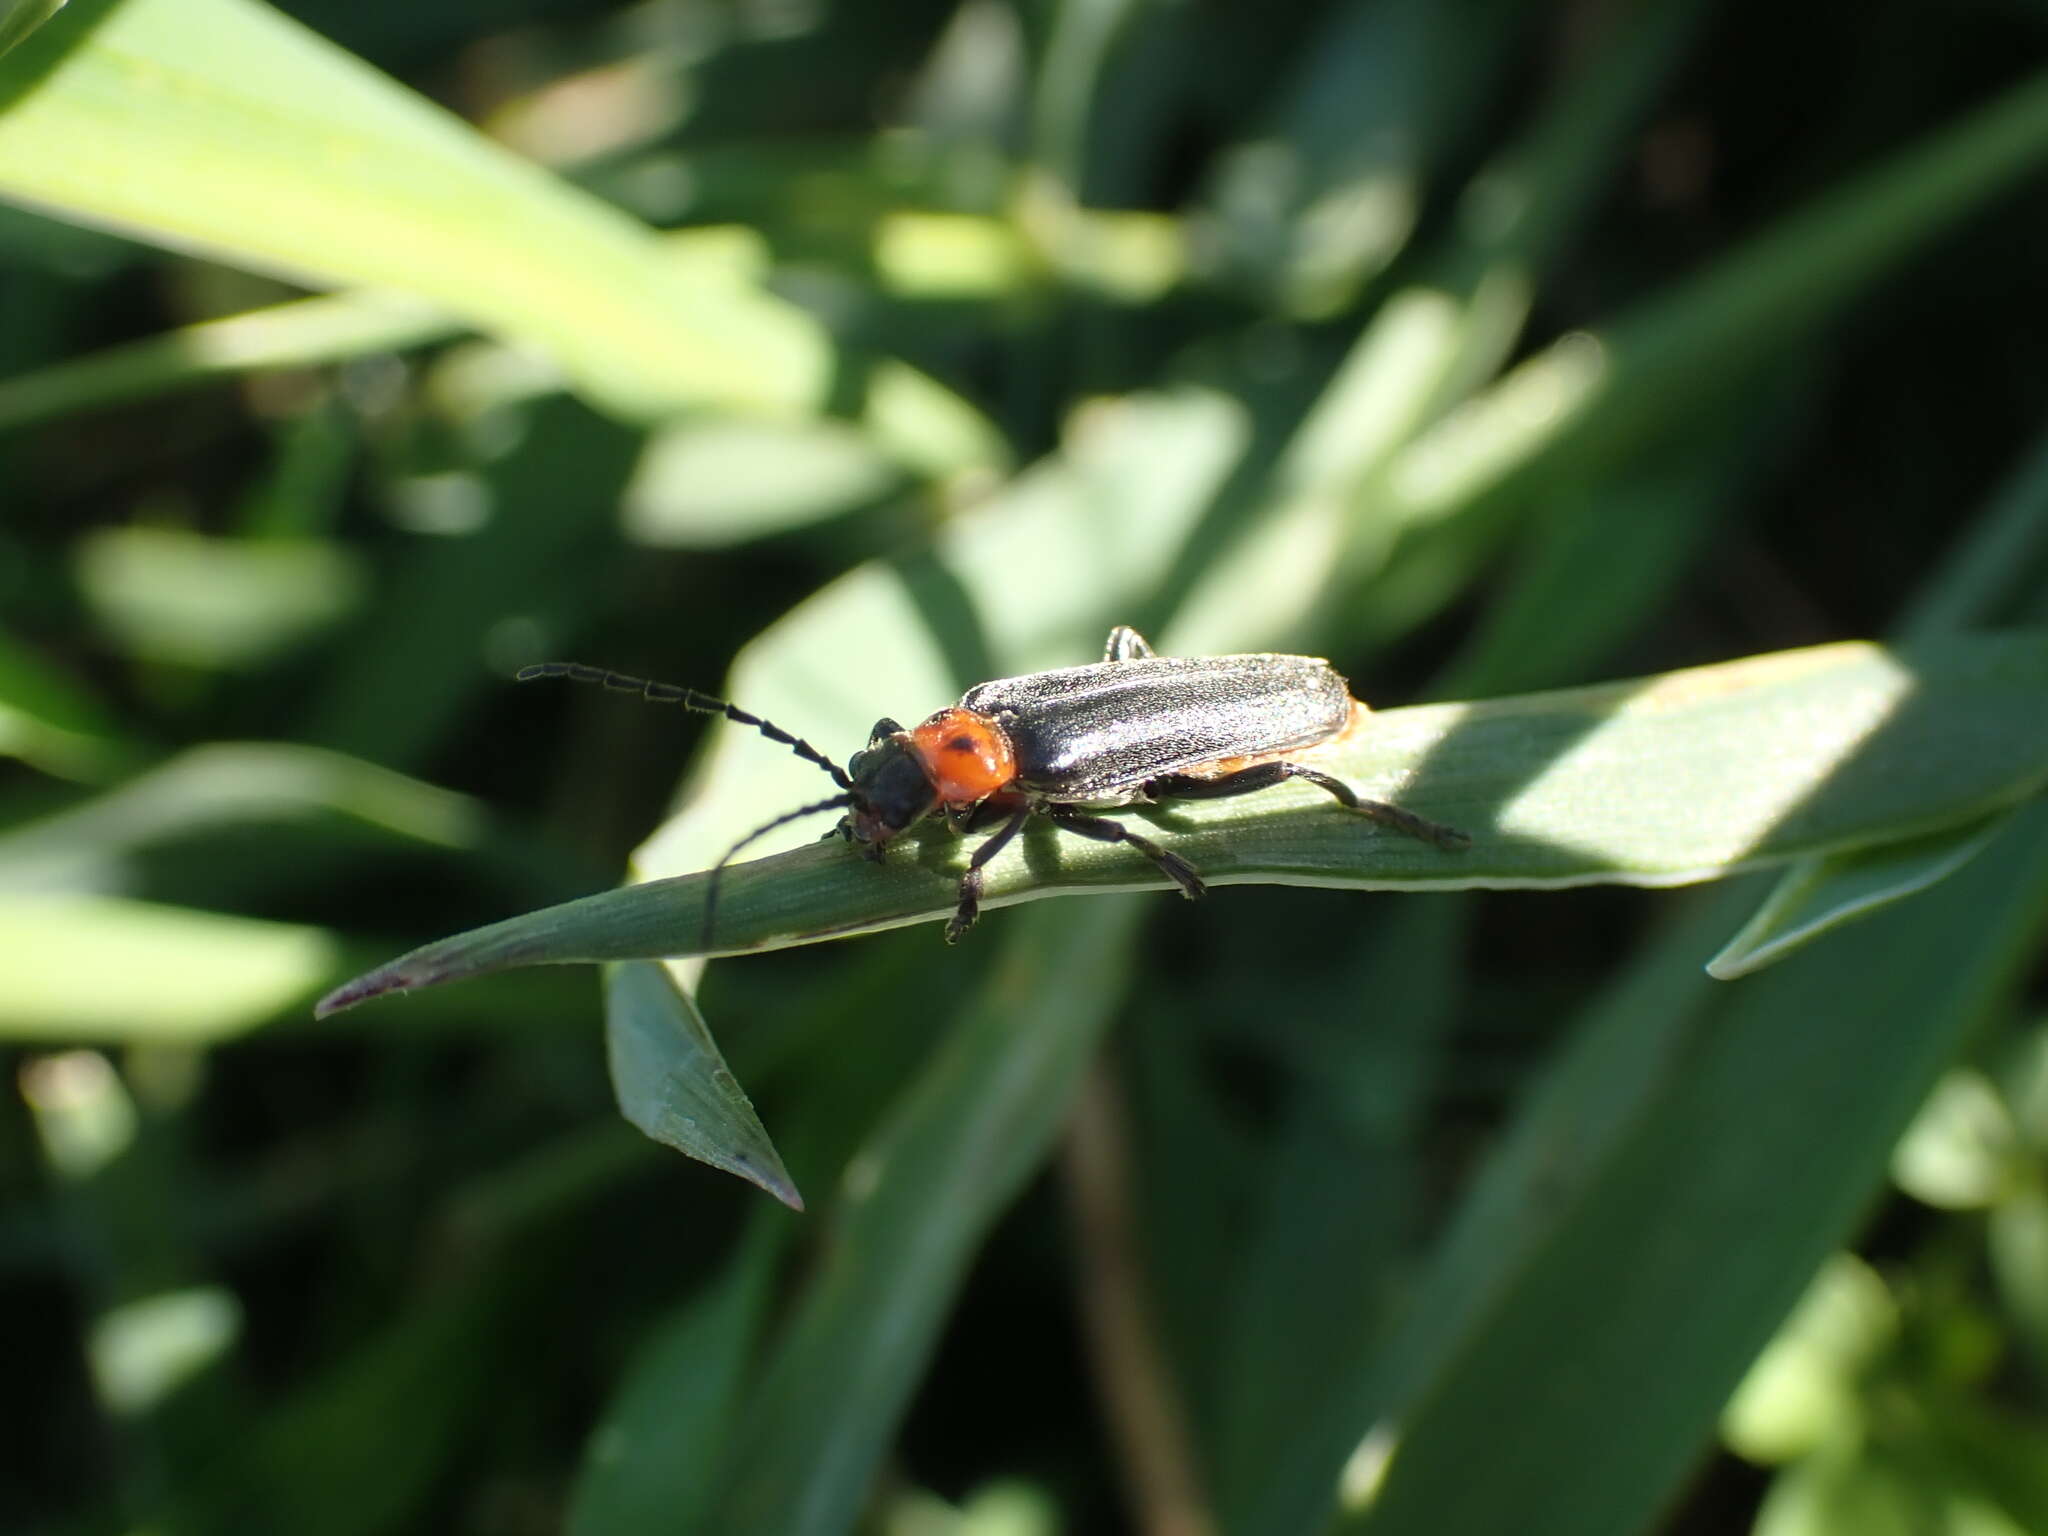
(107,968)
(301,333)
(223,125)
(1655,782)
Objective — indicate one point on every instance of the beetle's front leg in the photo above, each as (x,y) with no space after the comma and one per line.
(969,906)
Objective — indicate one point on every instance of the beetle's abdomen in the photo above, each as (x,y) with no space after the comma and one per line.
(1080,732)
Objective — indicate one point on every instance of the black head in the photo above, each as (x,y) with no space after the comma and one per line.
(891,791)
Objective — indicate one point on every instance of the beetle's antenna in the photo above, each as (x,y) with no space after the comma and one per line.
(836,802)
(689,698)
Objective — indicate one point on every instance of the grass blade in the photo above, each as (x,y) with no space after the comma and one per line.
(223,125)
(914,1207)
(1684,777)
(674,1085)
(1595,1382)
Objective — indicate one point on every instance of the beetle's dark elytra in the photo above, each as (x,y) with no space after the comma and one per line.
(1083,732)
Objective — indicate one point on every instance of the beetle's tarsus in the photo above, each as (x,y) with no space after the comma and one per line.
(1450,839)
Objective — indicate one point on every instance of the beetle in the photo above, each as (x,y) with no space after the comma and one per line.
(1131,729)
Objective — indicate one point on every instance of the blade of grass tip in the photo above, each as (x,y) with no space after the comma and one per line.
(1817,896)
(913,1207)
(672,1082)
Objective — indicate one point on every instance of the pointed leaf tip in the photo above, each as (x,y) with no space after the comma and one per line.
(776,1182)
(345,996)
(674,1085)
(397,976)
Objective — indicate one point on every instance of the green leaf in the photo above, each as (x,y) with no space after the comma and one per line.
(192,600)
(226,784)
(1979,583)
(49,720)
(1819,895)
(651,1459)
(1572,1125)
(305,333)
(1589,400)
(708,484)
(101,968)
(18,18)
(301,333)
(1962,1152)
(223,125)
(1589,1388)
(1660,781)
(1806,1388)
(399,686)
(1323,1244)
(674,1085)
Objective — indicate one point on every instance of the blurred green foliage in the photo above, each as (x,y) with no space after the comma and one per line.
(1483,347)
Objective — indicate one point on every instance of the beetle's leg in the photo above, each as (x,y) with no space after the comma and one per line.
(1103,830)
(1246,781)
(970,883)
(1125,644)
(884,729)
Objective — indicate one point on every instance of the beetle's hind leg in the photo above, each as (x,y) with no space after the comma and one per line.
(1246,781)
(1126,644)
(969,906)
(1103,830)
